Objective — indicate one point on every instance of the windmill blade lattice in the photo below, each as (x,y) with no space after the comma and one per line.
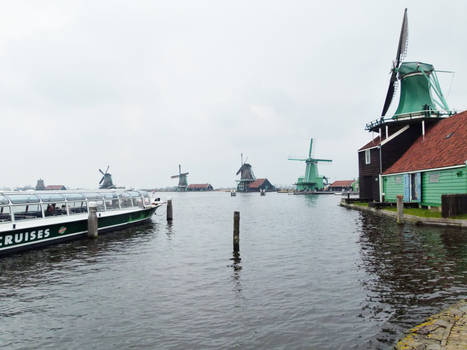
(311,146)
(400,55)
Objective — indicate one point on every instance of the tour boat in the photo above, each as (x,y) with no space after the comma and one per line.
(30,219)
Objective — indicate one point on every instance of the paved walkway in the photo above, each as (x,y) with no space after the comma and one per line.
(444,331)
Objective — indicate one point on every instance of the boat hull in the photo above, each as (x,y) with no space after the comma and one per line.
(19,239)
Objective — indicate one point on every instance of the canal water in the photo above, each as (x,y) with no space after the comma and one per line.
(310,275)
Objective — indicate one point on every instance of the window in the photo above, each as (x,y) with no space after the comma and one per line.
(27,211)
(147,200)
(111,201)
(125,200)
(54,209)
(77,207)
(367,156)
(23,198)
(3,200)
(434,178)
(137,200)
(5,214)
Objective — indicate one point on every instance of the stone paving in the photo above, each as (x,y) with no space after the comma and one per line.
(444,331)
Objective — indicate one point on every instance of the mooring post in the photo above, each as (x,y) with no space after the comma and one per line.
(400,209)
(236,232)
(92,220)
(169,210)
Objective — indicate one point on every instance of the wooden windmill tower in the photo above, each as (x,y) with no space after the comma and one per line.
(182,181)
(246,176)
(312,181)
(106,181)
(421,105)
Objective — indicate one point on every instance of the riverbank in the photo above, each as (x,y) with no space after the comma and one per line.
(446,330)
(413,219)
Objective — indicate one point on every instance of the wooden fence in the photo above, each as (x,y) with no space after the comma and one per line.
(453,205)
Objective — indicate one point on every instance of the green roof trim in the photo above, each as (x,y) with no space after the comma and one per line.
(414,67)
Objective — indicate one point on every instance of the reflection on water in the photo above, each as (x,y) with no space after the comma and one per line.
(413,271)
(311,199)
(236,268)
(310,275)
(30,266)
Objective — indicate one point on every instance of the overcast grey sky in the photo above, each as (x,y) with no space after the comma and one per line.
(146,85)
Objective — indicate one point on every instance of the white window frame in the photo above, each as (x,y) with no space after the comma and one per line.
(368,156)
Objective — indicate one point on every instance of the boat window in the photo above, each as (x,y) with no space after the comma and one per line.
(126,200)
(75,196)
(3,200)
(138,202)
(28,211)
(136,196)
(111,201)
(51,197)
(99,204)
(55,209)
(78,207)
(94,196)
(5,214)
(147,199)
(23,198)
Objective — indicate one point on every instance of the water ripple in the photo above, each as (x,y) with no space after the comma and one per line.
(310,275)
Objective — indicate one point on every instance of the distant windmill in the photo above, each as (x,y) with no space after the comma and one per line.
(246,175)
(182,181)
(106,181)
(311,181)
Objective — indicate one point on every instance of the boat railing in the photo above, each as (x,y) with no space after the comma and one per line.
(19,206)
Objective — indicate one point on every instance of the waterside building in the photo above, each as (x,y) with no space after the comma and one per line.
(435,164)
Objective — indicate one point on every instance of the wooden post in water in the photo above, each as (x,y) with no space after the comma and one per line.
(400,209)
(236,232)
(92,220)
(169,211)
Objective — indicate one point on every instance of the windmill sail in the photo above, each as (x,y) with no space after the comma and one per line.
(400,55)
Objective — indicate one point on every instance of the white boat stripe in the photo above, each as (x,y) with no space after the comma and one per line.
(69,235)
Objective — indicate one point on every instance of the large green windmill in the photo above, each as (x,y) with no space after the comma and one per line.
(421,98)
(312,181)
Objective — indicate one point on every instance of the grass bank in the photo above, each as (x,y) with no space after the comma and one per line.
(425,213)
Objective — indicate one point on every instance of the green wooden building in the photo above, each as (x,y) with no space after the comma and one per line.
(434,165)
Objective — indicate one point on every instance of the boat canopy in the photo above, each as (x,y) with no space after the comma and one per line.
(3,199)
(23,198)
(49,196)
(25,205)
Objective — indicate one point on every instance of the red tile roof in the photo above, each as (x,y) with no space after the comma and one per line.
(445,144)
(257,183)
(54,187)
(198,186)
(342,183)
(373,143)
